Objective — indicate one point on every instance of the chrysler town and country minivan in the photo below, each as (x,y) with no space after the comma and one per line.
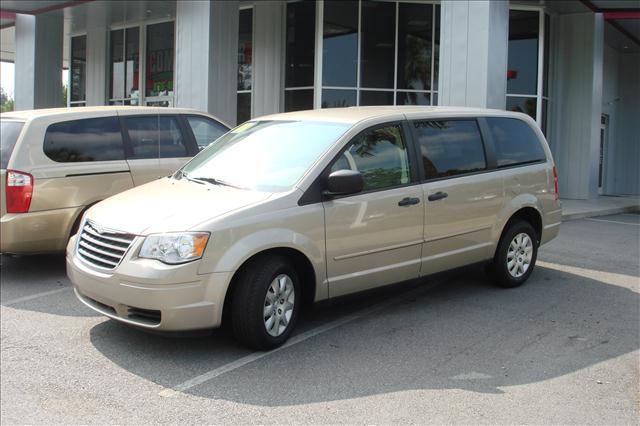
(312,205)
(57,162)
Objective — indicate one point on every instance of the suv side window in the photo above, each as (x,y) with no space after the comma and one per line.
(380,155)
(91,139)
(205,130)
(450,147)
(515,142)
(154,136)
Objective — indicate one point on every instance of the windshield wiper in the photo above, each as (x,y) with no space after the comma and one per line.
(213,181)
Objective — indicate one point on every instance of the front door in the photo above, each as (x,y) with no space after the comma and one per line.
(602,159)
(374,238)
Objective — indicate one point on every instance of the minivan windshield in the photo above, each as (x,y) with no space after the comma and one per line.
(263,155)
(9,132)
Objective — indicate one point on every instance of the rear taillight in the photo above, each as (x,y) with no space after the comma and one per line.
(19,191)
(555,183)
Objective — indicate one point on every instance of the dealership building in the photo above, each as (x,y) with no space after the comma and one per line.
(574,66)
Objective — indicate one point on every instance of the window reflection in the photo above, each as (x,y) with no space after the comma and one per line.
(522,104)
(340,43)
(522,74)
(332,98)
(125,61)
(159,66)
(245,49)
(378,44)
(414,46)
(78,68)
(300,48)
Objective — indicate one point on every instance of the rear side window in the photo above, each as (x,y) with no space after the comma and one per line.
(205,130)
(92,139)
(156,136)
(515,142)
(9,132)
(450,147)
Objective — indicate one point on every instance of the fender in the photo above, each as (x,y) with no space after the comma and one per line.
(508,210)
(252,244)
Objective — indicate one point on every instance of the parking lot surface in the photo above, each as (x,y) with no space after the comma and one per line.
(564,348)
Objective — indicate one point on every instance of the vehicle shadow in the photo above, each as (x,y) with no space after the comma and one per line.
(460,333)
(39,283)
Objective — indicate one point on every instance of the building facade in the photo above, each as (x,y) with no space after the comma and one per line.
(572,65)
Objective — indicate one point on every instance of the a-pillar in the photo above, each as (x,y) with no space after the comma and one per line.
(206,60)
(38,67)
(473,53)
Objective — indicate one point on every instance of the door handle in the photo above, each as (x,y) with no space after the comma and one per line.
(437,196)
(408,201)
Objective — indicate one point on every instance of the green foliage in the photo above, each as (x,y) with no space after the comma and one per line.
(6,103)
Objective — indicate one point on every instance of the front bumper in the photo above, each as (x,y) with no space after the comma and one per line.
(148,294)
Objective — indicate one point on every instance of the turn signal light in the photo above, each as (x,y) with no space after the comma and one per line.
(19,191)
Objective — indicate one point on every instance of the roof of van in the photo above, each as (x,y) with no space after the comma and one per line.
(356,114)
(51,112)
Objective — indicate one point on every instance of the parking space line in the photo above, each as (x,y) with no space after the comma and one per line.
(613,221)
(234,365)
(34,296)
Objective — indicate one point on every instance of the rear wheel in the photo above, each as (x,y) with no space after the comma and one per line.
(515,256)
(266,303)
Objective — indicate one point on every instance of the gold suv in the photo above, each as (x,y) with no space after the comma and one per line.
(55,163)
(310,205)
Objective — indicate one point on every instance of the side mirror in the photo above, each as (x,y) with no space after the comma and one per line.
(344,182)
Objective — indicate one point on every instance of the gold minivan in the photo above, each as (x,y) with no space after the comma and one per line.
(55,163)
(311,205)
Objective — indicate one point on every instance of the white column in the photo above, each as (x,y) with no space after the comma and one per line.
(268,57)
(206,62)
(473,53)
(97,54)
(38,68)
(578,98)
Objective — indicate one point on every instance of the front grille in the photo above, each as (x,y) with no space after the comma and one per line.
(104,248)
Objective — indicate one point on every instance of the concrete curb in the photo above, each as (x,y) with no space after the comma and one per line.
(602,212)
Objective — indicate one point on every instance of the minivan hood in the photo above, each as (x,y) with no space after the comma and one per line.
(169,205)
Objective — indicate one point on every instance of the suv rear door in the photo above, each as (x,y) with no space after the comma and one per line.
(157,145)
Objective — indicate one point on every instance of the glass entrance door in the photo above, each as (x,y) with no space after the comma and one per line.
(604,131)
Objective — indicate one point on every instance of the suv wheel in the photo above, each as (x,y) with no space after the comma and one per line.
(515,256)
(266,303)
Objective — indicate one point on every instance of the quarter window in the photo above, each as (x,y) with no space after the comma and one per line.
(93,139)
(205,130)
(515,142)
(380,155)
(156,136)
(450,147)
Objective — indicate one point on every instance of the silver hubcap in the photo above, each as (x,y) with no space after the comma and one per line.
(278,305)
(519,255)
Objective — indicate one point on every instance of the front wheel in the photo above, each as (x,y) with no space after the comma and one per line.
(266,303)
(515,256)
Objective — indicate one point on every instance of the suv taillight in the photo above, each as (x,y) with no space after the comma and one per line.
(19,191)
(555,183)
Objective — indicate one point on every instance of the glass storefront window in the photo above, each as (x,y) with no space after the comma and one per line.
(245,65)
(415,46)
(297,100)
(407,73)
(340,44)
(300,46)
(522,74)
(336,98)
(378,44)
(159,60)
(526,105)
(78,74)
(124,66)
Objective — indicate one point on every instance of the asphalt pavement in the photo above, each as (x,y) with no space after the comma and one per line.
(562,349)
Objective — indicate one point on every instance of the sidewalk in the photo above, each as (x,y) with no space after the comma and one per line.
(603,205)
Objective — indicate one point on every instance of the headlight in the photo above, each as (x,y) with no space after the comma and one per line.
(174,248)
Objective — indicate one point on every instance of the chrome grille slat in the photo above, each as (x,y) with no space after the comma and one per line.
(102,248)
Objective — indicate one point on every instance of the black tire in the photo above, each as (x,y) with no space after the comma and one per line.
(498,270)
(248,302)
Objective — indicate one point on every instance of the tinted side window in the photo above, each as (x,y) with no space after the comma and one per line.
(9,132)
(380,155)
(92,139)
(515,142)
(205,130)
(156,136)
(450,147)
